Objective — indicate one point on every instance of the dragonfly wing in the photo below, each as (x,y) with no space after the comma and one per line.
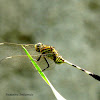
(7,50)
(16,63)
(13,56)
(22,63)
(12,49)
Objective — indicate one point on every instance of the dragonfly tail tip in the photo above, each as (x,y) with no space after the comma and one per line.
(97,77)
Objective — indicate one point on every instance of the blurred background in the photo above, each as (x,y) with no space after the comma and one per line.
(72,27)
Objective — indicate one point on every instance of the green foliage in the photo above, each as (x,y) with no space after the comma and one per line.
(57,95)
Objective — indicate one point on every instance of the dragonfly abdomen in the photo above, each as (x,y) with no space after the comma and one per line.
(59,60)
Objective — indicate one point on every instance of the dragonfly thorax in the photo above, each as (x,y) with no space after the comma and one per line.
(50,52)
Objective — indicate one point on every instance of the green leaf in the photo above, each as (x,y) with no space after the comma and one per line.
(57,95)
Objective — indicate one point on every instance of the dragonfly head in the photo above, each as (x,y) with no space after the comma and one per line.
(38,47)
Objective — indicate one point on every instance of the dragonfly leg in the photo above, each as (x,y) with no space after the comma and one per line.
(39,58)
(45,60)
(47,64)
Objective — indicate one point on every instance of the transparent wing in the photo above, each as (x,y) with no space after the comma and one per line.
(22,62)
(13,58)
(12,49)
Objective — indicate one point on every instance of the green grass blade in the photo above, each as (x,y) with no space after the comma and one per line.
(57,95)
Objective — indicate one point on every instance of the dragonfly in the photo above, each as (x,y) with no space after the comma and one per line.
(48,54)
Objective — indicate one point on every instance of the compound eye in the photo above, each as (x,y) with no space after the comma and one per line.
(38,46)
